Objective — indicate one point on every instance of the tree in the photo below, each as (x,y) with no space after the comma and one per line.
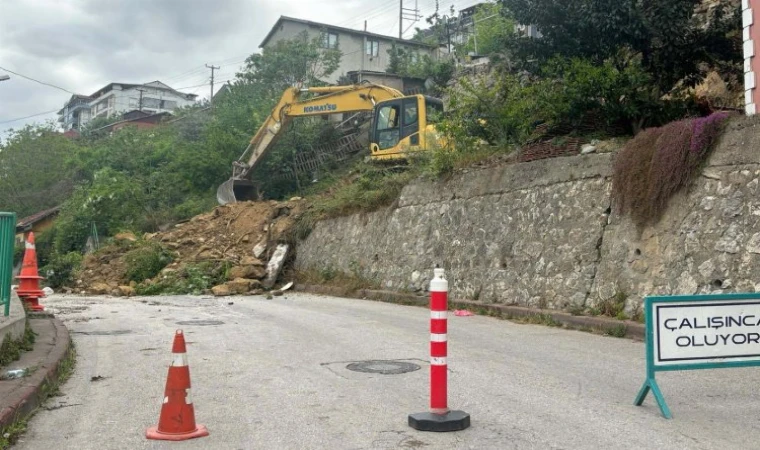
(666,36)
(409,63)
(296,62)
(33,171)
(492,26)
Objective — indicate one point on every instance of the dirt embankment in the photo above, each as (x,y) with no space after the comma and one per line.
(234,249)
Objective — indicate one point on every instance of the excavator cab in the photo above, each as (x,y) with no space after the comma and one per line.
(401,126)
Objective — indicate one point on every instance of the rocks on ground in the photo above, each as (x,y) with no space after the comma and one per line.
(248,238)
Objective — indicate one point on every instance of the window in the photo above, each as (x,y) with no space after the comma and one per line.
(373,48)
(168,104)
(329,40)
(149,102)
(433,111)
(134,102)
(410,112)
(410,125)
(388,133)
(414,57)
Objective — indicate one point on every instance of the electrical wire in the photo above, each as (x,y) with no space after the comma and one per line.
(29,117)
(37,81)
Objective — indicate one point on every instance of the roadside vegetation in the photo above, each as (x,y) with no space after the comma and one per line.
(610,69)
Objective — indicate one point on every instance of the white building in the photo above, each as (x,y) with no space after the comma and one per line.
(117,98)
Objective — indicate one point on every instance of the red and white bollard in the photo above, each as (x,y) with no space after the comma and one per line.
(439,418)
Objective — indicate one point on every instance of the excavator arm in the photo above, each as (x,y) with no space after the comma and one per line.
(329,100)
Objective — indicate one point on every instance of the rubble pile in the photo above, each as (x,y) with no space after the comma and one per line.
(245,241)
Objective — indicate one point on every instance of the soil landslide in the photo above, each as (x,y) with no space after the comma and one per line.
(245,243)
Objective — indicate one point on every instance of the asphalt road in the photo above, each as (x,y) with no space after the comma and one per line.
(271,374)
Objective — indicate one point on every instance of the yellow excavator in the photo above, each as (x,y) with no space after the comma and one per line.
(401,124)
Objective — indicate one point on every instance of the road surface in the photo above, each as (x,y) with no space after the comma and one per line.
(272,374)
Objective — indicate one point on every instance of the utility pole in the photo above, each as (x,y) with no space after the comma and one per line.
(211,97)
(401,19)
(139,107)
(364,53)
(412,14)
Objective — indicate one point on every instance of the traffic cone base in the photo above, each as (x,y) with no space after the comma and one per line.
(153,433)
(32,303)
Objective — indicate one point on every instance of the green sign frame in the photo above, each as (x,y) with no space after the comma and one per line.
(7,243)
(653,307)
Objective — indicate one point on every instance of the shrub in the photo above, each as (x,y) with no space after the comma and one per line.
(658,163)
(192,279)
(60,268)
(145,261)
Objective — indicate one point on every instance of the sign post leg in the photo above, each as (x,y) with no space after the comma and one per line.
(651,384)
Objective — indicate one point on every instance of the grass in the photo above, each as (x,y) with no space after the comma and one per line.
(618,331)
(192,279)
(612,307)
(50,388)
(368,187)
(10,349)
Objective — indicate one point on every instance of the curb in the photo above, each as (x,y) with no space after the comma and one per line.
(633,330)
(32,392)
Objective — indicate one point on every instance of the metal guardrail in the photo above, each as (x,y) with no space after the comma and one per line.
(7,237)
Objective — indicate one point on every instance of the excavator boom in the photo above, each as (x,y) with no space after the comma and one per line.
(329,100)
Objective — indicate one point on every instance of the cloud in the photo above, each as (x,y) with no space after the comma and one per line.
(82,45)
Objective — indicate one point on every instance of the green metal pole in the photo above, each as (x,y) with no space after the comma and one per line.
(7,236)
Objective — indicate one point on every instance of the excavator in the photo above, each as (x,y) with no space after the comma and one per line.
(401,124)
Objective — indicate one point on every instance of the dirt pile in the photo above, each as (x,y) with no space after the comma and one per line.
(234,249)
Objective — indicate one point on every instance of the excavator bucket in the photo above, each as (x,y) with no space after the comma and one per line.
(235,190)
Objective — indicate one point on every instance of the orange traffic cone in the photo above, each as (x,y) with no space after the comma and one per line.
(29,287)
(177,420)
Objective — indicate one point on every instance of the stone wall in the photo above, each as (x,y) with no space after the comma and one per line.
(541,233)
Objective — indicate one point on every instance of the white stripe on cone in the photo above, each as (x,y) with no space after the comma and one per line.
(438,360)
(180,360)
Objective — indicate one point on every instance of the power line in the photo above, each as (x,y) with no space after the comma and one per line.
(29,117)
(38,81)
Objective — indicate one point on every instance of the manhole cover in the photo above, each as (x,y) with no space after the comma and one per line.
(383,367)
(201,323)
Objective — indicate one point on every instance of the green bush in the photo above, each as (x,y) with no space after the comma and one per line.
(192,279)
(60,269)
(145,261)
(18,254)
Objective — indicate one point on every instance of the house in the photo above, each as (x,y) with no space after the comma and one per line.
(362,50)
(36,223)
(117,98)
(407,85)
(137,119)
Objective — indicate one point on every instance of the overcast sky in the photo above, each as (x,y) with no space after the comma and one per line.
(82,45)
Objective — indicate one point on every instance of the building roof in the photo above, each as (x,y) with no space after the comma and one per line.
(154,84)
(28,222)
(342,29)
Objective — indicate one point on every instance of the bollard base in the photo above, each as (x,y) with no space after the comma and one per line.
(451,421)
